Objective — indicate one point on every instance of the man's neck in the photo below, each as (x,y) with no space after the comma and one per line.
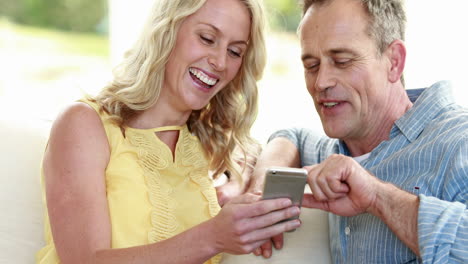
(397,105)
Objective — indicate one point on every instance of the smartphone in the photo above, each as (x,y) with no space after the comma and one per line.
(284,182)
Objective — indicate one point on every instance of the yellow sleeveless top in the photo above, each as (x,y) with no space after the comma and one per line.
(151,195)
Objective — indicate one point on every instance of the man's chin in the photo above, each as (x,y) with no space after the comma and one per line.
(333,132)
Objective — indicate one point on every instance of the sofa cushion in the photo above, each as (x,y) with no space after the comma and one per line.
(21,226)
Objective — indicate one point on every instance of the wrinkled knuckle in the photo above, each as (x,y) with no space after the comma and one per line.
(238,230)
(244,240)
(335,186)
(257,210)
(237,214)
(290,212)
(321,180)
(246,249)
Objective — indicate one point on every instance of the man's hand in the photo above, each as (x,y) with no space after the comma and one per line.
(341,186)
(267,248)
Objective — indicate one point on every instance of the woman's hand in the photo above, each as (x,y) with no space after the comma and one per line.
(228,191)
(246,222)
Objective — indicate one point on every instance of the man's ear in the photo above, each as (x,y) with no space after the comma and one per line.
(396,53)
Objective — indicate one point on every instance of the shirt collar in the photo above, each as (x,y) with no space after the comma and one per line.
(429,104)
(343,149)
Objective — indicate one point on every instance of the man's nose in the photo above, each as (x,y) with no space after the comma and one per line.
(325,78)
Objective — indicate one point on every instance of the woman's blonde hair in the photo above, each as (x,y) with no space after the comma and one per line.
(223,126)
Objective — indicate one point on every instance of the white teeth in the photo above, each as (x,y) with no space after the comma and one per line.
(329,104)
(203,77)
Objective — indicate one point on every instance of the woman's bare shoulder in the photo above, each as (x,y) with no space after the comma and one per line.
(77,128)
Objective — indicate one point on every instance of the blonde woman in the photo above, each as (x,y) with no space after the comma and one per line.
(126,172)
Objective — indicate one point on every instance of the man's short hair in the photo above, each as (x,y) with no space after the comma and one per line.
(387,19)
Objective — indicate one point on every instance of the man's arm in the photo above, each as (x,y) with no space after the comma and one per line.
(442,230)
(341,186)
(443,221)
(432,228)
(278,152)
(398,209)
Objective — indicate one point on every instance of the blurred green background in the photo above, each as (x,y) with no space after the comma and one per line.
(91,15)
(53,51)
(284,15)
(68,15)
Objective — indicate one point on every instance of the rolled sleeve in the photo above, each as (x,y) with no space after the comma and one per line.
(313,147)
(292,135)
(442,231)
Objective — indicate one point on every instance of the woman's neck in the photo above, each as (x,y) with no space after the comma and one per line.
(159,115)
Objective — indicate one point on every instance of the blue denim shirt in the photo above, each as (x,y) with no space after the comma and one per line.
(426,154)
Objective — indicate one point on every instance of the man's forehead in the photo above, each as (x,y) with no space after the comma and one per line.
(351,11)
(333,26)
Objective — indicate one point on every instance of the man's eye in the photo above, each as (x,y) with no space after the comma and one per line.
(343,63)
(312,68)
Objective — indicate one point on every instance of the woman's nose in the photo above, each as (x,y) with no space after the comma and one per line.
(217,59)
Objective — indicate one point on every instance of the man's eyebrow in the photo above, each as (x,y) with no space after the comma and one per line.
(219,32)
(341,51)
(335,51)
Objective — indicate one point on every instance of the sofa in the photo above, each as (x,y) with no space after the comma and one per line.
(21,226)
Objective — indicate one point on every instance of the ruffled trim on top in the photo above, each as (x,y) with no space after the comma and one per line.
(189,154)
(151,160)
(193,156)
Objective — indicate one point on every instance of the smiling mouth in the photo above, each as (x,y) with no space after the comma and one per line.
(330,105)
(203,78)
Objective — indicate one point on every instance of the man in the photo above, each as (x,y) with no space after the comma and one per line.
(394,175)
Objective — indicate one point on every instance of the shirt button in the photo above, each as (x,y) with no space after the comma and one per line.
(347,231)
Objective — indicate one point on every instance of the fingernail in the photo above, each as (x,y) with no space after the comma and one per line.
(286,203)
(267,253)
(294,210)
(278,245)
(257,252)
(297,223)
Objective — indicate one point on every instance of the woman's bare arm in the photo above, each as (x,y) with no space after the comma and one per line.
(74,167)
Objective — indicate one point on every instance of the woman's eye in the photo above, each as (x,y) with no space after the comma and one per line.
(206,40)
(235,53)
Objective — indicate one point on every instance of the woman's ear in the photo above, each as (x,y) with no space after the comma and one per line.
(396,53)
